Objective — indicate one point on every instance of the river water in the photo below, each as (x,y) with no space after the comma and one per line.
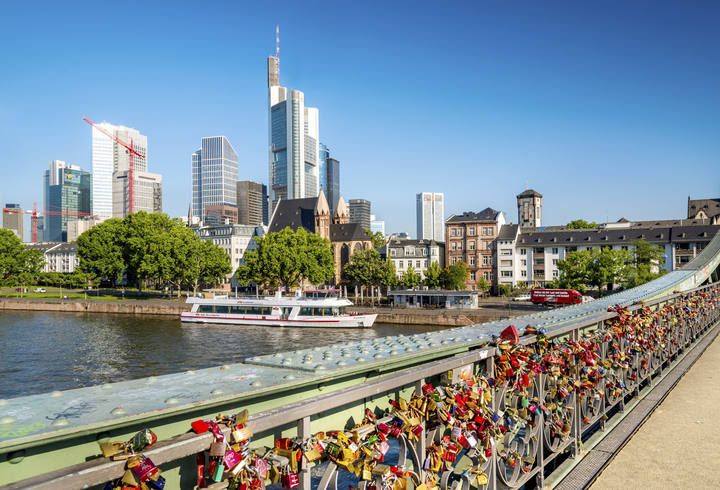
(46,351)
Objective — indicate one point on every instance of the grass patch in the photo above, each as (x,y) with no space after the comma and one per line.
(56,295)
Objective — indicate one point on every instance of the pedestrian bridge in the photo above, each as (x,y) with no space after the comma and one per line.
(544,402)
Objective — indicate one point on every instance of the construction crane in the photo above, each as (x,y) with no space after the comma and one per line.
(132,153)
(34,217)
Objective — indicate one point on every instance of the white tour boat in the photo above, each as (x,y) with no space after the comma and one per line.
(319,308)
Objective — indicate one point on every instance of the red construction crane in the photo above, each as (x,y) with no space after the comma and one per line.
(132,152)
(34,217)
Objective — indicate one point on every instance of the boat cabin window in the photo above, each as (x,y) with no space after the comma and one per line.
(236,310)
(310,311)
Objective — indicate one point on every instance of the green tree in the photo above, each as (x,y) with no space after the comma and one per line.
(482,284)
(410,279)
(287,258)
(574,270)
(391,279)
(581,224)
(19,265)
(455,276)
(649,261)
(595,268)
(101,251)
(377,238)
(432,276)
(366,268)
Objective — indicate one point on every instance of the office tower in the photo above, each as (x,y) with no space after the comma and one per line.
(529,204)
(147,193)
(13,219)
(252,203)
(67,198)
(376,225)
(360,212)
(329,175)
(109,157)
(214,181)
(294,140)
(430,216)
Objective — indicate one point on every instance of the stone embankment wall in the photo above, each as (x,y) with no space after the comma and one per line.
(79,306)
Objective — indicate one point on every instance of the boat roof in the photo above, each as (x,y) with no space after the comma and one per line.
(273,301)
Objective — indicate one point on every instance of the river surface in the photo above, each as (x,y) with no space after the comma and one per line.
(47,351)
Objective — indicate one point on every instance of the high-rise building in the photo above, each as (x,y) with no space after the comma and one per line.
(109,157)
(376,225)
(252,203)
(430,216)
(333,183)
(214,181)
(13,219)
(294,141)
(67,198)
(529,204)
(360,212)
(329,177)
(147,193)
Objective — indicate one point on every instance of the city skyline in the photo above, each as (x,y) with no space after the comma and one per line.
(580,116)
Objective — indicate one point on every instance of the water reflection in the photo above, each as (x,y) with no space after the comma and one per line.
(44,351)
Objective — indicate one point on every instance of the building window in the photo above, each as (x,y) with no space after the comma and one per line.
(486,260)
(472,276)
(523,273)
(506,263)
(472,260)
(486,276)
(505,252)
(556,273)
(471,245)
(401,264)
(523,251)
(393,252)
(506,274)
(471,231)
(555,250)
(487,231)
(555,262)
(539,250)
(417,264)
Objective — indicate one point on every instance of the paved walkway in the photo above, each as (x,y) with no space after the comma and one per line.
(679,445)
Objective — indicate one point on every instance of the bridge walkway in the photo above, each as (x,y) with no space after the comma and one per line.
(679,445)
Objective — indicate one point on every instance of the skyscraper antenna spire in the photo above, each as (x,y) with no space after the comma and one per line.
(277,42)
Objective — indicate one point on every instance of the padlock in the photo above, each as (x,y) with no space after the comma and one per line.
(113,449)
(217,448)
(289,479)
(143,467)
(240,434)
(218,471)
(231,459)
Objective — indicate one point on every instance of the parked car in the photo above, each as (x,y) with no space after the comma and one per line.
(587,299)
(522,297)
(39,290)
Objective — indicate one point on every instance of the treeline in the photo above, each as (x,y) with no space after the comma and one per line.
(19,265)
(607,268)
(150,250)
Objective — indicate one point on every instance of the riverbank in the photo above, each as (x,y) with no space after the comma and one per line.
(131,307)
(171,307)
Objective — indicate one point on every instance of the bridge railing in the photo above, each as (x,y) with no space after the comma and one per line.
(548,394)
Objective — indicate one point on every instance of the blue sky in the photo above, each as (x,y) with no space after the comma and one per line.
(609,109)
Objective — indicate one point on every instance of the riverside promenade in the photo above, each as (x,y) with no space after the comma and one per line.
(679,445)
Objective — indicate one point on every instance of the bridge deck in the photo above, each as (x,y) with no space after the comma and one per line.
(679,445)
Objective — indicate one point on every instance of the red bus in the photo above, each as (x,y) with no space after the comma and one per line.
(555,297)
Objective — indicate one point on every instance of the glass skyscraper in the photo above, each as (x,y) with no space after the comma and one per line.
(294,141)
(108,158)
(214,181)
(67,198)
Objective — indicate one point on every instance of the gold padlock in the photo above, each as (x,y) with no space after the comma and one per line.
(243,434)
